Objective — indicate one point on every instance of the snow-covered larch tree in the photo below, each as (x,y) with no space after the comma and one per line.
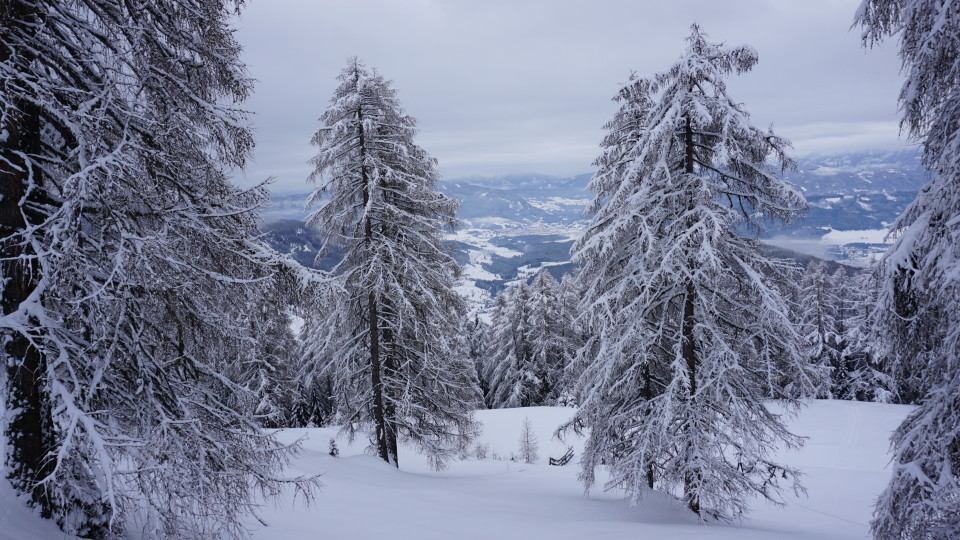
(397,362)
(529,447)
(858,373)
(688,331)
(477,333)
(817,306)
(129,266)
(917,316)
(513,373)
(548,334)
(572,338)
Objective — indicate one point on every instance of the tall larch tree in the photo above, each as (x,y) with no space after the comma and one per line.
(397,361)
(129,266)
(918,309)
(691,331)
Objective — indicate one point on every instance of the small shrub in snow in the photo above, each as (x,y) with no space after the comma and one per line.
(481,451)
(528,443)
(334,451)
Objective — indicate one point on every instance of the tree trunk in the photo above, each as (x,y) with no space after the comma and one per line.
(23,199)
(688,349)
(380,425)
(29,430)
(688,345)
(376,369)
(382,431)
(390,369)
(648,395)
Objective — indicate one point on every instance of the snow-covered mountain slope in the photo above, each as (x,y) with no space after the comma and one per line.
(844,460)
(515,225)
(489,203)
(859,172)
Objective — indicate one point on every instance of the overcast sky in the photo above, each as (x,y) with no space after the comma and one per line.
(515,86)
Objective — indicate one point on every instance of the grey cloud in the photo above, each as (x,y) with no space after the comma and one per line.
(521,86)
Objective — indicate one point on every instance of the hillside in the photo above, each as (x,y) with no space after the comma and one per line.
(494,498)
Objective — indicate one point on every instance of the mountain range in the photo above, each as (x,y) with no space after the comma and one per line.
(515,225)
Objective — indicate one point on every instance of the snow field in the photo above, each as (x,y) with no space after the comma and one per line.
(866,236)
(844,461)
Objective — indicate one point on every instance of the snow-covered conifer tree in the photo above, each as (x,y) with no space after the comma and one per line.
(688,332)
(272,374)
(516,378)
(572,338)
(818,320)
(478,334)
(129,268)
(547,334)
(918,310)
(858,375)
(397,362)
(316,397)
(532,338)
(499,340)
(313,402)
(334,450)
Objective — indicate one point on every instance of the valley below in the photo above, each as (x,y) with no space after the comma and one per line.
(514,226)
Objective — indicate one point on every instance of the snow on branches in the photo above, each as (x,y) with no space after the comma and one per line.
(689,331)
(131,269)
(532,339)
(391,343)
(916,314)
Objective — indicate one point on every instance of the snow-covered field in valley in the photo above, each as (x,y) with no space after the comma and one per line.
(844,461)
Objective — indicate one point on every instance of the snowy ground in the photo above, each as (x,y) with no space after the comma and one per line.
(479,235)
(844,462)
(867,236)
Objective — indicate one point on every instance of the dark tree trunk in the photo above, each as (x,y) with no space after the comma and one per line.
(23,203)
(688,349)
(380,425)
(688,345)
(381,429)
(29,430)
(648,395)
(390,370)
